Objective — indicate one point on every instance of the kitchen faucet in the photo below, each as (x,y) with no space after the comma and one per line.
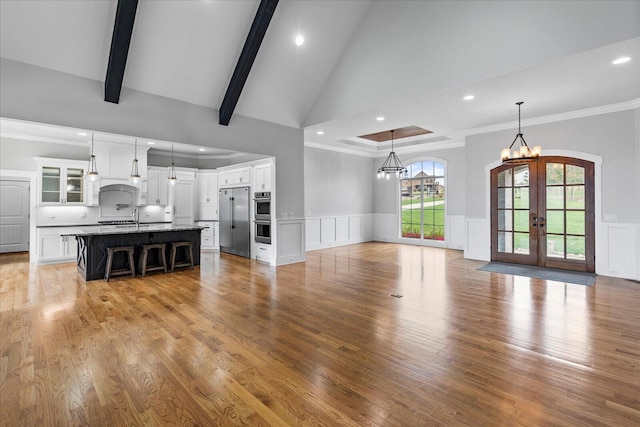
(136,218)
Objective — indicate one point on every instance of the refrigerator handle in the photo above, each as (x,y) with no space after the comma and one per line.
(231,209)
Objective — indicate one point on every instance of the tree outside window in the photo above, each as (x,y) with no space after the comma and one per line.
(423,201)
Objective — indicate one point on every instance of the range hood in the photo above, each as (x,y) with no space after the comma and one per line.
(108,182)
(117,201)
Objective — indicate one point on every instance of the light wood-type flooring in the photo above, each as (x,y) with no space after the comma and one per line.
(236,342)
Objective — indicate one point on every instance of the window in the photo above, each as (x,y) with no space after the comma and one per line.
(422,201)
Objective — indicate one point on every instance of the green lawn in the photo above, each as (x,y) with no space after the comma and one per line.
(433,222)
(557,221)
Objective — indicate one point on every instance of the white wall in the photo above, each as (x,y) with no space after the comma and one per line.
(336,183)
(338,198)
(39,95)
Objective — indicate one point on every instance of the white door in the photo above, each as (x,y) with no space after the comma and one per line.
(14,216)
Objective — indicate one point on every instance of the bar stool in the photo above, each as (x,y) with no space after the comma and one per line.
(144,258)
(188,254)
(131,269)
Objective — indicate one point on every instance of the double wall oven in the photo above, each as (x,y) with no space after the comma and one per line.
(262,216)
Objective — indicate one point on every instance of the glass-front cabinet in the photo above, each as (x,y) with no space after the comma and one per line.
(61,181)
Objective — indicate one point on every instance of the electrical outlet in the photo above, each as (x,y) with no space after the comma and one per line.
(83,214)
(146,214)
(290,214)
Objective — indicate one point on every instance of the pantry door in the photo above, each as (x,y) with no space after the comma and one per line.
(542,213)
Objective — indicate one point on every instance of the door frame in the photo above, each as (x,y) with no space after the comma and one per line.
(597,182)
(31,176)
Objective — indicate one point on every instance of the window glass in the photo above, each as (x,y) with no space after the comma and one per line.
(423,201)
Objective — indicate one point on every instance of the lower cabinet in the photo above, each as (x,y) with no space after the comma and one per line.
(52,247)
(210,239)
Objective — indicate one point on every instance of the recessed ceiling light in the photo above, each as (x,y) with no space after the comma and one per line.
(299,40)
(150,142)
(468,97)
(380,118)
(320,132)
(82,133)
(621,60)
(200,149)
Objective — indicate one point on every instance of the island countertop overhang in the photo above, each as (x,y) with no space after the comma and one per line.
(97,230)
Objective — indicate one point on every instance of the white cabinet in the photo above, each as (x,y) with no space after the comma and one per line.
(183,198)
(208,196)
(115,160)
(210,239)
(235,177)
(61,182)
(52,247)
(262,252)
(262,177)
(157,187)
(242,176)
(207,187)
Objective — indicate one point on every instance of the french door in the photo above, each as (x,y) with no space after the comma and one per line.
(542,213)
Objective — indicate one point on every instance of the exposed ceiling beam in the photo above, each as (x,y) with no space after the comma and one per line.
(248,55)
(122,31)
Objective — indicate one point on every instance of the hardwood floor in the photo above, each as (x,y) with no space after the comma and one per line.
(324,342)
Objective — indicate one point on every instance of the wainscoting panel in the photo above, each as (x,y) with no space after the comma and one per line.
(478,239)
(618,254)
(328,231)
(291,241)
(455,232)
(342,230)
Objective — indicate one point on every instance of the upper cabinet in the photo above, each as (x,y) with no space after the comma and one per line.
(235,177)
(207,187)
(262,177)
(61,181)
(157,187)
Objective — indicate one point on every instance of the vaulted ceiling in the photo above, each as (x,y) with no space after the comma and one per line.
(409,61)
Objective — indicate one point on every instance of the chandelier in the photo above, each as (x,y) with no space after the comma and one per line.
(524,153)
(392,165)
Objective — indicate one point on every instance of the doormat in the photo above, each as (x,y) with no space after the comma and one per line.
(566,276)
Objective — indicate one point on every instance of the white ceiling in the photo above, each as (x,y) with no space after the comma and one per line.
(410,61)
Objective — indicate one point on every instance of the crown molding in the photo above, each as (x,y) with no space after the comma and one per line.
(457,138)
(570,115)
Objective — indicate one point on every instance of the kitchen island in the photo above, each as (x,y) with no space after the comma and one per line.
(93,242)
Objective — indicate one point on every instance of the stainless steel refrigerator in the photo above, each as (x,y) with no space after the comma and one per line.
(235,228)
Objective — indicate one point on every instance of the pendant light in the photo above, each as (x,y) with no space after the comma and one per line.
(392,166)
(524,153)
(92,173)
(135,175)
(172,170)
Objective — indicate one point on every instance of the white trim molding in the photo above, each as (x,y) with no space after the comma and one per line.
(32,177)
(337,230)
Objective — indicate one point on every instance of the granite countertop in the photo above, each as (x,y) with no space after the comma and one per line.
(96,225)
(129,229)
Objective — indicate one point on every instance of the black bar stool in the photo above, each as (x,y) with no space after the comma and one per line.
(130,269)
(144,258)
(188,254)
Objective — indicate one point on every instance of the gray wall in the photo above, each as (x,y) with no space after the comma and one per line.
(45,96)
(386,192)
(613,136)
(337,183)
(18,154)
